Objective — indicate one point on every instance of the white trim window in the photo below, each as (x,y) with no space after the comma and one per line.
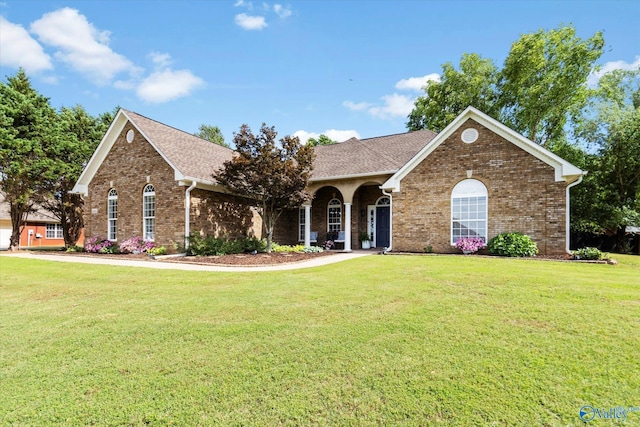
(112,215)
(301,223)
(149,212)
(334,215)
(469,210)
(54,231)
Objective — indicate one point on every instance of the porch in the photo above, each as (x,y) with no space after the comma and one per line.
(337,217)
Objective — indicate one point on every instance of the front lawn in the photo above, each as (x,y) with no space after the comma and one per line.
(380,340)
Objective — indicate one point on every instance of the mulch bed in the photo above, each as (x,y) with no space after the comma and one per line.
(261,259)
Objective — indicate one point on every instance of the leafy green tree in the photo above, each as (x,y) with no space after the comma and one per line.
(473,84)
(613,131)
(322,140)
(211,134)
(79,135)
(272,174)
(543,82)
(540,87)
(27,127)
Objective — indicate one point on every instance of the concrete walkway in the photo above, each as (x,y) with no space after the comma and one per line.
(323,260)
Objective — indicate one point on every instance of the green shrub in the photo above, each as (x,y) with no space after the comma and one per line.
(312,249)
(286,248)
(588,253)
(513,245)
(158,250)
(211,245)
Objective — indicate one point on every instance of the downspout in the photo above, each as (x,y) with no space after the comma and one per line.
(568,216)
(388,249)
(187,213)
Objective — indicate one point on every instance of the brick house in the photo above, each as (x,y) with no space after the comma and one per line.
(407,191)
(40,230)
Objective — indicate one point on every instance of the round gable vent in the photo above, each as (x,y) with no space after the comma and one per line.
(469,135)
(130,136)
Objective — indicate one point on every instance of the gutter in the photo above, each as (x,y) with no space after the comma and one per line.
(388,249)
(567,214)
(187,212)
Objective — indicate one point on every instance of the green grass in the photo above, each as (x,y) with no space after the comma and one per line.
(380,340)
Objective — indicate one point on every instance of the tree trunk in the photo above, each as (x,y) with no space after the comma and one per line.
(18,213)
(71,219)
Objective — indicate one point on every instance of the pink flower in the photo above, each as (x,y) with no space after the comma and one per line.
(470,244)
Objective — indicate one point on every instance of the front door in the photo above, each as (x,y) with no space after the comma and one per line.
(383,226)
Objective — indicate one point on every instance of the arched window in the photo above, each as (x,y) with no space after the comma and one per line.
(112,215)
(383,201)
(149,212)
(469,209)
(334,215)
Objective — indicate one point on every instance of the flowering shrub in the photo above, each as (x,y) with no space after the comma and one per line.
(100,245)
(470,244)
(328,244)
(136,245)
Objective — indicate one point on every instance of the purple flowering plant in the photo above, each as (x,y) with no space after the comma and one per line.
(98,244)
(470,244)
(136,244)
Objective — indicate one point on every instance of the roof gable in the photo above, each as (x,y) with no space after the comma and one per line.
(564,171)
(190,157)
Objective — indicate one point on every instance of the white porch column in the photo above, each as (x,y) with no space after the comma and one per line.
(347,227)
(307,225)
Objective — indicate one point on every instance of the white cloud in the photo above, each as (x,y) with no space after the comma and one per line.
(356,106)
(167,85)
(594,78)
(334,134)
(242,3)
(341,135)
(161,60)
(281,11)
(124,84)
(80,45)
(249,22)
(417,83)
(19,49)
(394,105)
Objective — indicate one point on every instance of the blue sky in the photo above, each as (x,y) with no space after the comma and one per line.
(344,68)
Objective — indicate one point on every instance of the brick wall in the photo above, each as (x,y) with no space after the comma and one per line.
(223,215)
(128,168)
(523,194)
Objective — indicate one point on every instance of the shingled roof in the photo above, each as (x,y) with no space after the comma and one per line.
(370,156)
(197,158)
(191,156)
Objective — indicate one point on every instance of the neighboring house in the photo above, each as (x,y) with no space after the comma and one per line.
(41,229)
(410,191)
